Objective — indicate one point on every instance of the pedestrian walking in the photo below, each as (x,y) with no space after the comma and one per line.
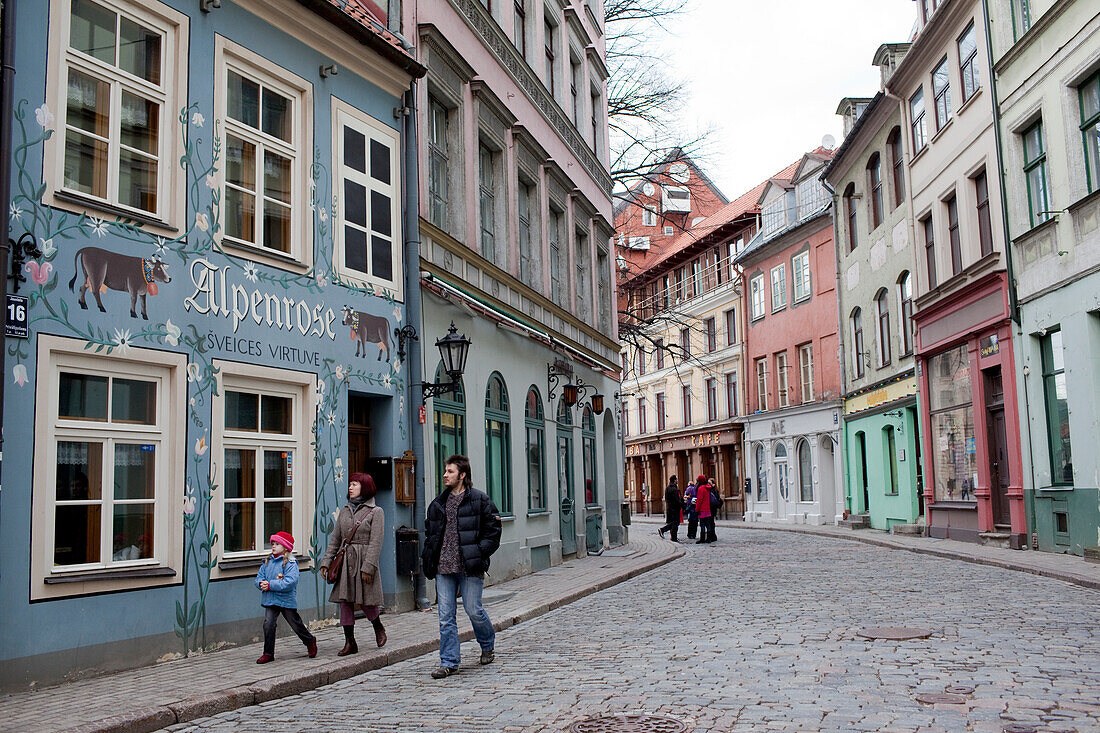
(689,506)
(703,503)
(352,554)
(461,533)
(673,505)
(277,580)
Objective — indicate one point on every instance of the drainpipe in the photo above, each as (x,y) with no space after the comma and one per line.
(413,315)
(842,445)
(7,76)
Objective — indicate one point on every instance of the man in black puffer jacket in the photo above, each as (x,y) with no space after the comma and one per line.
(461,532)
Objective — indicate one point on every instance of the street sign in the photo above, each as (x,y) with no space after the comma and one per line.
(15,318)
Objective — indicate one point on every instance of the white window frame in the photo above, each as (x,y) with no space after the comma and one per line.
(761,368)
(301,387)
(756,287)
(168,370)
(669,230)
(343,114)
(779,287)
(806,371)
(774,215)
(231,56)
(800,267)
(171,188)
(782,382)
(649,216)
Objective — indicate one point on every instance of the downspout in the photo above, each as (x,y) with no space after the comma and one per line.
(7,76)
(843,446)
(414,317)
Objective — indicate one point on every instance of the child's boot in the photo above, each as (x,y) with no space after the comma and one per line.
(350,647)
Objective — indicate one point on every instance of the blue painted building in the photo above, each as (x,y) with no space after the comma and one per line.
(216,195)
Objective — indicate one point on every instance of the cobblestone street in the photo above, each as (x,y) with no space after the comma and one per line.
(757,632)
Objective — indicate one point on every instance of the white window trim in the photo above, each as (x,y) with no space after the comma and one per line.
(781,270)
(229,55)
(169,370)
(758,283)
(302,387)
(649,216)
(806,368)
(171,187)
(801,264)
(343,113)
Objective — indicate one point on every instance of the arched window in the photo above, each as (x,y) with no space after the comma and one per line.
(874,176)
(535,425)
(565,415)
(905,303)
(805,473)
(897,164)
(781,469)
(761,473)
(857,342)
(882,308)
(498,444)
(588,454)
(850,210)
(449,421)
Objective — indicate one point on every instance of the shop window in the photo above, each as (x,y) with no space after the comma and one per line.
(266,114)
(498,444)
(588,458)
(262,420)
(108,478)
(1057,410)
(535,424)
(805,472)
(368,221)
(954,463)
(115,80)
(761,474)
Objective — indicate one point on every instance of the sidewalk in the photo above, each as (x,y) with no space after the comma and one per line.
(164,694)
(1068,568)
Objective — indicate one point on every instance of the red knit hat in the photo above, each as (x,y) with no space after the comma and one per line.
(701,479)
(284,538)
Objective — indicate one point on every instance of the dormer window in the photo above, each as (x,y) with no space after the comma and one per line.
(774,215)
(676,198)
(811,197)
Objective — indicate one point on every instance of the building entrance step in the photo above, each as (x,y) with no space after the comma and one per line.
(915,530)
(856,521)
(996,539)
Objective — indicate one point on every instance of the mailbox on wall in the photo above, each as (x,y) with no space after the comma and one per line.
(404,478)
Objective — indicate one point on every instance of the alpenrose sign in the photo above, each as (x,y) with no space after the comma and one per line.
(216,295)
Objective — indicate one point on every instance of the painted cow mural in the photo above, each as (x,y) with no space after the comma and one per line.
(104,269)
(368,329)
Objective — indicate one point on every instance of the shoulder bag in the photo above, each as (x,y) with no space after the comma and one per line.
(333,573)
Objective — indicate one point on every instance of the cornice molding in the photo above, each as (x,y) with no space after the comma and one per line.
(1035,32)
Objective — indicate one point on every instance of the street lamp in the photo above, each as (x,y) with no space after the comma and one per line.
(453,350)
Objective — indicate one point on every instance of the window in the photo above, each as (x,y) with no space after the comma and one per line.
(805,472)
(781,379)
(519,29)
(782,472)
(685,400)
(640,360)
(1035,171)
(262,421)
(603,288)
(108,480)
(779,288)
(1057,408)
(115,84)
(857,342)
(731,394)
(641,417)
(928,7)
(1021,17)
(811,196)
(680,284)
(449,423)
(761,384)
(806,371)
(535,424)
(559,275)
(551,57)
(916,116)
(985,225)
(850,212)
(731,327)
(1089,98)
(954,462)
(941,92)
(649,216)
(668,231)
(661,412)
(528,271)
(874,176)
(761,473)
(952,206)
(882,308)
(659,353)
(584,277)
(775,215)
(438,160)
(266,113)
(968,63)
(929,250)
(712,399)
(574,90)
(905,300)
(588,458)
(712,334)
(897,163)
(756,286)
(486,163)
(498,445)
(889,443)
(800,269)
(368,221)
(685,341)
(596,111)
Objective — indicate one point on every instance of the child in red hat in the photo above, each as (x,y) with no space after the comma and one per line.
(278,581)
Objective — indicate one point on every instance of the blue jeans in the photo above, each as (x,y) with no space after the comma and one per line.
(446,590)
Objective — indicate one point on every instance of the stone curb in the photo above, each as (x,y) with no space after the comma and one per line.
(1066,577)
(201,706)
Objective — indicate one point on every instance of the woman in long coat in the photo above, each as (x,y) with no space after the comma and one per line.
(359,583)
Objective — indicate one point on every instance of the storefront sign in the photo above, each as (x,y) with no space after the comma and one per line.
(779,427)
(990,345)
(876,397)
(700,440)
(881,396)
(262,349)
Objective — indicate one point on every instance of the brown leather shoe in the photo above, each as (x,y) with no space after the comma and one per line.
(350,647)
(380,637)
(311,649)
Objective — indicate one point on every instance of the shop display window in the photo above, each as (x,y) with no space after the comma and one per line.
(954,443)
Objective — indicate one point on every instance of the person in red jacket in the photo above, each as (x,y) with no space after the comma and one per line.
(703,508)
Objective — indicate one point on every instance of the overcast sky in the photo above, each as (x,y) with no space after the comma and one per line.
(768,75)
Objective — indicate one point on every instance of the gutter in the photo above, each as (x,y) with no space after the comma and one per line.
(840,329)
(370,38)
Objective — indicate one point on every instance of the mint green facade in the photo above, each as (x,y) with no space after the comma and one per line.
(881,485)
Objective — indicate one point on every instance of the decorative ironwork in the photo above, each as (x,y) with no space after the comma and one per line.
(453,350)
(403,335)
(554,373)
(21,249)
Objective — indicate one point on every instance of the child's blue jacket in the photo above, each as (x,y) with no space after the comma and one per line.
(283,579)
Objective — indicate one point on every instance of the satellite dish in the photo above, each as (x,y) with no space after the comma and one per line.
(828,142)
(648,189)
